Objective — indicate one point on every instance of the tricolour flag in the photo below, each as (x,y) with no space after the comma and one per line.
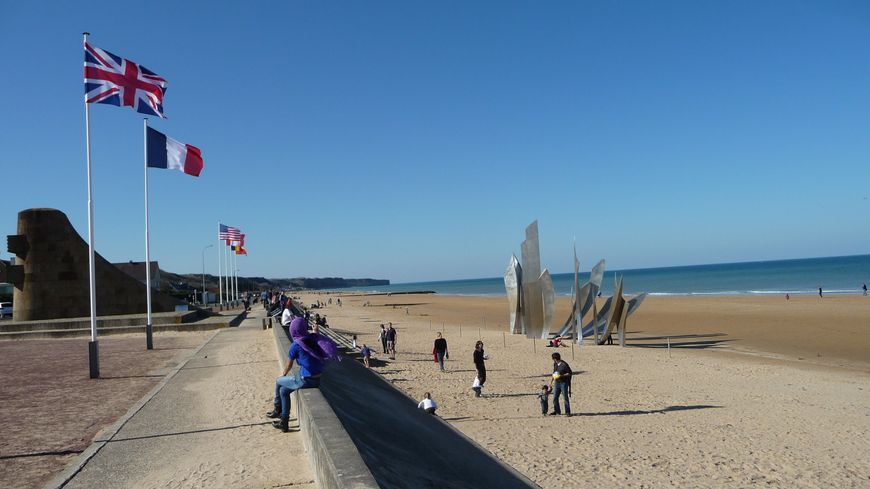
(113,80)
(165,152)
(228,233)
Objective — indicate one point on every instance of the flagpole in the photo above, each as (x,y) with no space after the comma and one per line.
(220,272)
(149,341)
(227,274)
(93,347)
(236,267)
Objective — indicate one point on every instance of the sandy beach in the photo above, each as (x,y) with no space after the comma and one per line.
(755,390)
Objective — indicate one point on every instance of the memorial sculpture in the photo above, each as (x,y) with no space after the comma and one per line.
(513,277)
(530,292)
(532,302)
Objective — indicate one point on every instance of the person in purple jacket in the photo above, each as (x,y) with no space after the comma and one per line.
(310,351)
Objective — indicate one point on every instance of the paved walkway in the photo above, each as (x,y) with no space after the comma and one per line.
(206,426)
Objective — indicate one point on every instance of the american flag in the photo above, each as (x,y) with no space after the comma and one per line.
(110,79)
(229,233)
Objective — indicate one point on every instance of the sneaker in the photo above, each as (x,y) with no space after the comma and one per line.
(273,414)
(554,413)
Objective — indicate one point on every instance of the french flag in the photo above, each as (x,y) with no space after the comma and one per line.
(165,152)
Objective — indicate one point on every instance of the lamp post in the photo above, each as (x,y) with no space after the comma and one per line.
(204,295)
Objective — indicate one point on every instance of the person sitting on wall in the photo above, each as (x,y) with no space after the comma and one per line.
(311,350)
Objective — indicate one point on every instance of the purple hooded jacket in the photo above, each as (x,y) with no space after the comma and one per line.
(315,344)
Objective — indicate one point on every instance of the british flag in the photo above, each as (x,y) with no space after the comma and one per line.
(110,79)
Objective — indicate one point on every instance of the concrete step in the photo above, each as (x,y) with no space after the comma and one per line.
(102,322)
(215,322)
(83,332)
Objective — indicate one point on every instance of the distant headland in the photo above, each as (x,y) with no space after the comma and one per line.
(190,281)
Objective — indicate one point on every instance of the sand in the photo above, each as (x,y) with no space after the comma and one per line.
(754,391)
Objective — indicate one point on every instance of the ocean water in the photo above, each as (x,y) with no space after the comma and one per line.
(836,275)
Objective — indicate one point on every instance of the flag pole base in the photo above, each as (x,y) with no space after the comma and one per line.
(149,336)
(94,357)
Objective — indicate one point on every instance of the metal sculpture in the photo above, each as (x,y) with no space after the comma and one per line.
(531,298)
(584,296)
(513,278)
(548,298)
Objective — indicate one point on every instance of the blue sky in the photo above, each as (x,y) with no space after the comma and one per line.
(415,140)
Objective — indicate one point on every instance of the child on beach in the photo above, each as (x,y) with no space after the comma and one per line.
(427,404)
(544,398)
(366,353)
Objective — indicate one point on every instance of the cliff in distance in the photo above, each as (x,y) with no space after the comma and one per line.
(192,281)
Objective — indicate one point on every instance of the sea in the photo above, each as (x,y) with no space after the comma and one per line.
(835,275)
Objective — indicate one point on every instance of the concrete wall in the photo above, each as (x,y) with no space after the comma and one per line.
(55,274)
(334,458)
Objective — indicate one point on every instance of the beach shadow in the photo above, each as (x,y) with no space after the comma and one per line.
(681,344)
(511,395)
(134,377)
(458,418)
(406,304)
(190,432)
(57,453)
(632,412)
(631,336)
(228,364)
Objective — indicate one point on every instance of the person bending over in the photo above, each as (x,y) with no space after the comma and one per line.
(427,404)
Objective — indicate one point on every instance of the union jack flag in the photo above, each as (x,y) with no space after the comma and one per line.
(110,79)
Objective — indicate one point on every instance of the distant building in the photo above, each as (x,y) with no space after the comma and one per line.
(136,269)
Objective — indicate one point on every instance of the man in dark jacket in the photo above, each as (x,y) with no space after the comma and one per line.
(561,384)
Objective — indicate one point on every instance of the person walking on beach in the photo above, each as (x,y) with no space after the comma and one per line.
(561,384)
(391,341)
(427,404)
(382,336)
(820,292)
(366,353)
(440,351)
(479,357)
(311,351)
(865,289)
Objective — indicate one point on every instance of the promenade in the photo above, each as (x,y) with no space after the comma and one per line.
(205,427)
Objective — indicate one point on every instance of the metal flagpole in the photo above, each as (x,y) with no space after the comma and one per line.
(220,273)
(93,348)
(227,274)
(149,342)
(236,270)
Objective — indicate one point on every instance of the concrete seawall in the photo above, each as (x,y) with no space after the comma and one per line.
(334,457)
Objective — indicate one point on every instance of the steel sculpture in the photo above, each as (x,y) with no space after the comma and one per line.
(548,298)
(533,303)
(513,278)
(531,298)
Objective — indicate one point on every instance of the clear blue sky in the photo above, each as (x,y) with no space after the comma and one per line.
(415,140)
